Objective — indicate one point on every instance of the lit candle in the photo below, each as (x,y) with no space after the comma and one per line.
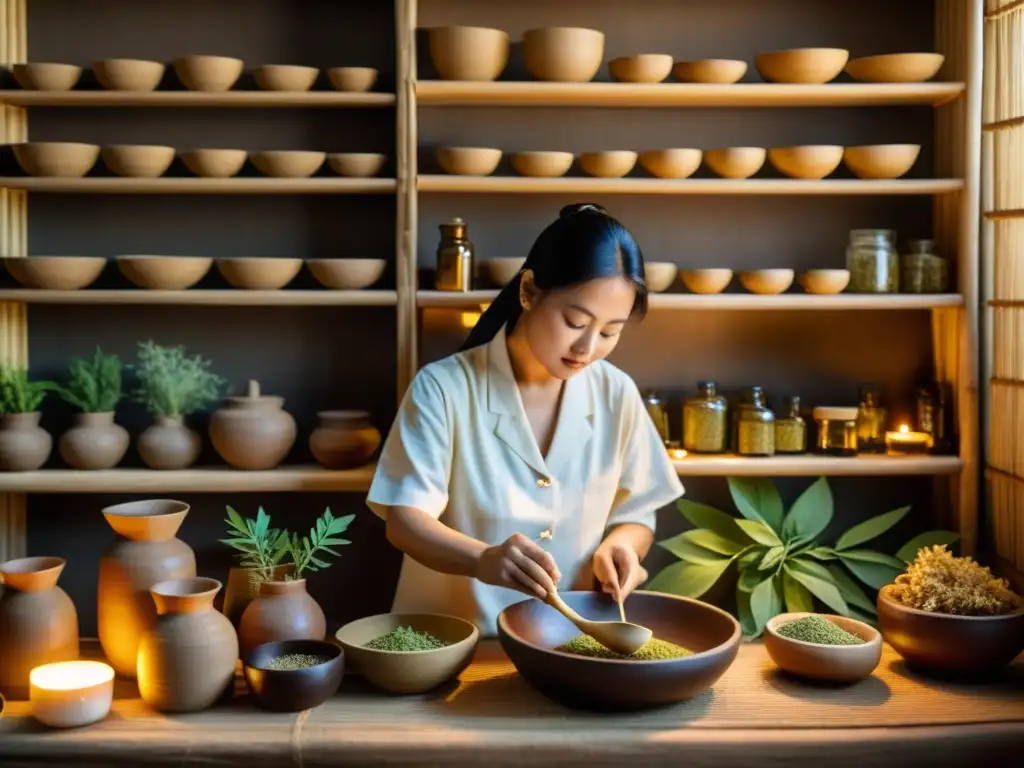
(677,453)
(906,441)
(69,694)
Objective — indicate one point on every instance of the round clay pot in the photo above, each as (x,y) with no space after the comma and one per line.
(243,587)
(344,439)
(38,621)
(283,611)
(94,442)
(187,660)
(145,553)
(253,431)
(24,445)
(168,444)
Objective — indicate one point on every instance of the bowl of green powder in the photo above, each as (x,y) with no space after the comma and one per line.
(409,652)
(293,675)
(823,647)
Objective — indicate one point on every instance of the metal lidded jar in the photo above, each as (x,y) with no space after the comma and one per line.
(791,430)
(455,258)
(872,261)
(658,413)
(837,430)
(755,428)
(705,421)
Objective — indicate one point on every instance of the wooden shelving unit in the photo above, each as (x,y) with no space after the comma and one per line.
(180,99)
(208,298)
(812,466)
(200,186)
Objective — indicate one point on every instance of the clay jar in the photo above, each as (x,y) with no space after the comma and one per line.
(243,587)
(24,445)
(38,621)
(94,442)
(283,611)
(344,439)
(186,661)
(253,432)
(168,444)
(146,553)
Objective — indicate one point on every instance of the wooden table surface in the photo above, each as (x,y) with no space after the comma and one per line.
(753,716)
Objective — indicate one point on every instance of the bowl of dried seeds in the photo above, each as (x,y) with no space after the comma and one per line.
(293,675)
(823,647)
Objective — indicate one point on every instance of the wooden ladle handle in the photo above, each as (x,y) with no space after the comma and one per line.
(555,601)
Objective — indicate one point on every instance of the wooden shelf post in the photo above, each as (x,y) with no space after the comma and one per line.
(407,138)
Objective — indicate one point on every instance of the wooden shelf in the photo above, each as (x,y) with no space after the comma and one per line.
(229,99)
(198,480)
(536,94)
(646,186)
(200,186)
(801,466)
(222,298)
(732,301)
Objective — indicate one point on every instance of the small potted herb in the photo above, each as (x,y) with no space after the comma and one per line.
(173,385)
(95,389)
(24,445)
(259,550)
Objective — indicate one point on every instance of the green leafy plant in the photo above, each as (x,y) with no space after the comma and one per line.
(173,384)
(18,394)
(781,563)
(95,386)
(303,551)
(260,547)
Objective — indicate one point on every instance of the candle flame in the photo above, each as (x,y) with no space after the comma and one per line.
(71,675)
(677,453)
(904,429)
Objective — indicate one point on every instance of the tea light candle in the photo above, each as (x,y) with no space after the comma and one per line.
(675,452)
(906,441)
(69,694)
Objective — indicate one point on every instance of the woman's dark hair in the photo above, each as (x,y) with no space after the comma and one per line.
(583,244)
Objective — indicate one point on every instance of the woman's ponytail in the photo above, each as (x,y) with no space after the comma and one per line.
(504,308)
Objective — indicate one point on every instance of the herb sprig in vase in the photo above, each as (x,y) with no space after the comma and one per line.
(24,445)
(94,387)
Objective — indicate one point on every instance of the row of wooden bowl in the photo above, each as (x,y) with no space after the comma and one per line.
(575,54)
(69,159)
(178,273)
(211,74)
(812,161)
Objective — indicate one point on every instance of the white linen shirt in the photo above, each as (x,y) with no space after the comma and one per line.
(461,450)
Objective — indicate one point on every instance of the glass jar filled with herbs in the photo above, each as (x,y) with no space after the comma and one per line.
(658,413)
(791,429)
(873,262)
(922,270)
(837,431)
(871,418)
(755,427)
(738,405)
(705,420)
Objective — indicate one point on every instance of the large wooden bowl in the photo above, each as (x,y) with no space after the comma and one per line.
(144,161)
(896,67)
(164,273)
(735,162)
(477,54)
(609,164)
(680,163)
(809,161)
(530,631)
(56,273)
(67,159)
(802,65)
(46,76)
(563,54)
(542,163)
(212,74)
(129,74)
(468,161)
(881,161)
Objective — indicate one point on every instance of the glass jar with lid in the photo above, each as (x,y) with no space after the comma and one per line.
(871,418)
(755,427)
(922,270)
(658,413)
(705,420)
(837,430)
(791,430)
(872,261)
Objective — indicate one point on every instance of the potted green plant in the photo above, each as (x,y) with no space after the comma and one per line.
(173,385)
(24,445)
(94,387)
(782,564)
(259,550)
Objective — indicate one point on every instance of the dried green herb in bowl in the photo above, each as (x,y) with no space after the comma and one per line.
(406,639)
(654,650)
(296,661)
(817,629)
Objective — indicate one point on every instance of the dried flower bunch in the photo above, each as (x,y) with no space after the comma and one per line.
(938,582)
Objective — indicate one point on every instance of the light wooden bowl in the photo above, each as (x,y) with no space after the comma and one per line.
(164,273)
(716,71)
(215,163)
(212,74)
(65,159)
(358,165)
(659,275)
(825,281)
(671,163)
(767,281)
(285,77)
(563,54)
(56,273)
(46,76)
(542,164)
(259,273)
(611,164)
(346,274)
(288,163)
(499,272)
(881,161)
(896,67)
(835,663)
(810,161)
(352,79)
(409,672)
(477,54)
(802,65)
(129,74)
(735,162)
(468,161)
(138,160)
(706,281)
(642,68)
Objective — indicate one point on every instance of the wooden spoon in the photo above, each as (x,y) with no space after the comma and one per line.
(619,636)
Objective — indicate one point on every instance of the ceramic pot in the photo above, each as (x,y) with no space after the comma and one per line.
(186,661)
(24,445)
(283,611)
(168,444)
(145,553)
(38,621)
(94,442)
(243,587)
(253,431)
(344,439)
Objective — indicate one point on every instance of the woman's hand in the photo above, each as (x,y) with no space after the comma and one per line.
(617,566)
(519,563)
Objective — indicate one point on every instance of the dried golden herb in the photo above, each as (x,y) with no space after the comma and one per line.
(938,582)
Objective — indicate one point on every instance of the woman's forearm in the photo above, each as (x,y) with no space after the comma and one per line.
(433,544)
(637,537)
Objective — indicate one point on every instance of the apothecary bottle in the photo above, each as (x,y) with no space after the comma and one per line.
(705,421)
(873,262)
(755,428)
(871,418)
(837,431)
(791,430)
(455,258)
(658,413)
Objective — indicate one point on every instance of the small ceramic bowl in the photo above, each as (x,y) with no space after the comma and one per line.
(563,54)
(896,67)
(213,74)
(293,690)
(46,76)
(141,161)
(356,165)
(735,162)
(352,79)
(836,663)
(767,281)
(611,164)
(285,77)
(346,274)
(825,281)
(715,71)
(215,163)
(67,159)
(881,161)
(547,164)
(643,68)
(259,273)
(809,161)
(815,66)
(288,163)
(164,273)
(706,281)
(468,161)
(671,163)
(129,74)
(660,275)
(478,54)
(56,273)
(499,272)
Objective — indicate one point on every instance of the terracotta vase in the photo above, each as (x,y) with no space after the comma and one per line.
(243,587)
(38,621)
(344,439)
(94,442)
(283,611)
(186,661)
(168,444)
(24,445)
(146,553)
(253,431)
